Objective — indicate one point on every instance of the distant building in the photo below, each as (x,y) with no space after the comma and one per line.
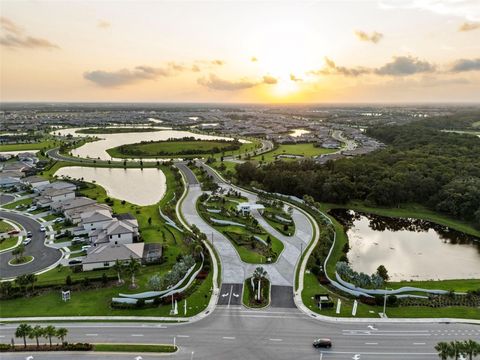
(246,208)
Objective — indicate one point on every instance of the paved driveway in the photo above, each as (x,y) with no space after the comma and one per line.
(44,256)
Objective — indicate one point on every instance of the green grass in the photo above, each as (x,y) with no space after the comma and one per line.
(305,150)
(50,217)
(476,124)
(277,224)
(159,149)
(11,206)
(21,260)
(46,144)
(135,348)
(312,287)
(8,243)
(4,227)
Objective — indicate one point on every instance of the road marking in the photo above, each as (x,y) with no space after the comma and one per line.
(230,298)
(275,339)
(91,334)
(137,335)
(183,336)
(419,344)
(229,337)
(371,343)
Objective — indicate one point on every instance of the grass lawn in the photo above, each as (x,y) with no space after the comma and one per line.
(4,227)
(25,202)
(30,146)
(178,148)
(225,168)
(8,243)
(312,287)
(21,260)
(137,348)
(50,217)
(278,224)
(305,150)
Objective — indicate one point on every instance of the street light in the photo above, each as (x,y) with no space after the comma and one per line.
(385,301)
(191,357)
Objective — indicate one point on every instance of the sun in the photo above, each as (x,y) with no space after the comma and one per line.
(285,87)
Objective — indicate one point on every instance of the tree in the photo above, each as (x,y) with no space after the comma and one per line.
(31,279)
(471,348)
(49,332)
(23,330)
(259,274)
(119,268)
(5,288)
(383,273)
(35,333)
(22,281)
(19,251)
(133,267)
(62,334)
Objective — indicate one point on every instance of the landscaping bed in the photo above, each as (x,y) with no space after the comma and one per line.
(249,299)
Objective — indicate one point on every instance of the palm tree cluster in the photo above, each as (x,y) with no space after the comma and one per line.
(454,349)
(131,268)
(36,332)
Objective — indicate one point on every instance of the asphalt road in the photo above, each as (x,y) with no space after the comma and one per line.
(236,333)
(189,175)
(4,198)
(44,256)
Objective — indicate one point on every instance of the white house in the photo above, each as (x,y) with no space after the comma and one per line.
(95,220)
(105,255)
(116,232)
(246,208)
(52,196)
(36,182)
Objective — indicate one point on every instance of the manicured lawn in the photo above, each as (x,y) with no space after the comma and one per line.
(180,148)
(136,348)
(305,150)
(4,227)
(30,146)
(50,217)
(278,224)
(26,202)
(22,260)
(8,243)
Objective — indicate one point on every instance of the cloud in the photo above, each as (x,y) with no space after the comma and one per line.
(374,37)
(462,65)
(466,26)
(15,37)
(103,24)
(294,78)
(468,9)
(126,76)
(216,83)
(270,80)
(399,66)
(196,68)
(253,59)
(405,65)
(217,62)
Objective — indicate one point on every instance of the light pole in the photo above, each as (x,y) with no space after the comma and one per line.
(385,302)
(191,357)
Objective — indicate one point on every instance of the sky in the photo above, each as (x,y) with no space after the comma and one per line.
(386,51)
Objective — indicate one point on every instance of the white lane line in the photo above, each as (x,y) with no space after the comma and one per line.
(419,344)
(91,334)
(275,339)
(376,334)
(230,297)
(137,335)
(183,336)
(371,343)
(392,331)
(2,336)
(228,337)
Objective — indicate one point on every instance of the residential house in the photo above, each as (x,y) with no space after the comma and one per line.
(105,255)
(50,196)
(36,182)
(75,214)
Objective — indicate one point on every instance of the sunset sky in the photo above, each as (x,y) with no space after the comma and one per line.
(240,51)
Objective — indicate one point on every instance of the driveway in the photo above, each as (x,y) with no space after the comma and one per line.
(44,256)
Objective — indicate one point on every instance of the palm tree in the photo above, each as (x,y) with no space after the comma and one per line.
(19,251)
(31,279)
(23,330)
(456,348)
(62,334)
(259,274)
(49,332)
(471,348)
(119,269)
(35,333)
(132,268)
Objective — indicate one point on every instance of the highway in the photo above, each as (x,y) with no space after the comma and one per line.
(232,332)
(44,256)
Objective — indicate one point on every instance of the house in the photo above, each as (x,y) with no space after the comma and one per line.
(75,215)
(36,182)
(27,157)
(60,185)
(246,208)
(96,219)
(8,182)
(117,232)
(51,196)
(71,204)
(105,255)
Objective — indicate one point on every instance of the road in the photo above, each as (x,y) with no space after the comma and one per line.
(44,256)
(232,332)
(6,198)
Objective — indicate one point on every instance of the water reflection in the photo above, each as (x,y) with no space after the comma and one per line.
(409,248)
(137,186)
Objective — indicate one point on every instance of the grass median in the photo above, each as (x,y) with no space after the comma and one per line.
(136,348)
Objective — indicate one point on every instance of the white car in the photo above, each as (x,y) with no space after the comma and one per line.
(86,247)
(42,228)
(59,219)
(27,241)
(32,208)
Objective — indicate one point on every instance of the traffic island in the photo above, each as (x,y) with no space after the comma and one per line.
(122,348)
(18,261)
(256,291)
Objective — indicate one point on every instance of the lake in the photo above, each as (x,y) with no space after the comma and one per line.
(137,186)
(410,249)
(97,149)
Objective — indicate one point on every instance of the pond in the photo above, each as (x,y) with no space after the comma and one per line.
(137,186)
(97,149)
(410,249)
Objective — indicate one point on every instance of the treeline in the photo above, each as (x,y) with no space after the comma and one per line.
(422,164)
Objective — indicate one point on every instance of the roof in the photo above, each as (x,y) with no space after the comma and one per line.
(96,216)
(118,227)
(86,208)
(34,179)
(56,192)
(250,206)
(9,180)
(75,203)
(59,185)
(125,216)
(109,252)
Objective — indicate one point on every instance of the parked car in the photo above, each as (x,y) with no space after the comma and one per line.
(42,228)
(27,241)
(59,219)
(74,262)
(322,343)
(86,247)
(32,208)
(29,234)
(13,232)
